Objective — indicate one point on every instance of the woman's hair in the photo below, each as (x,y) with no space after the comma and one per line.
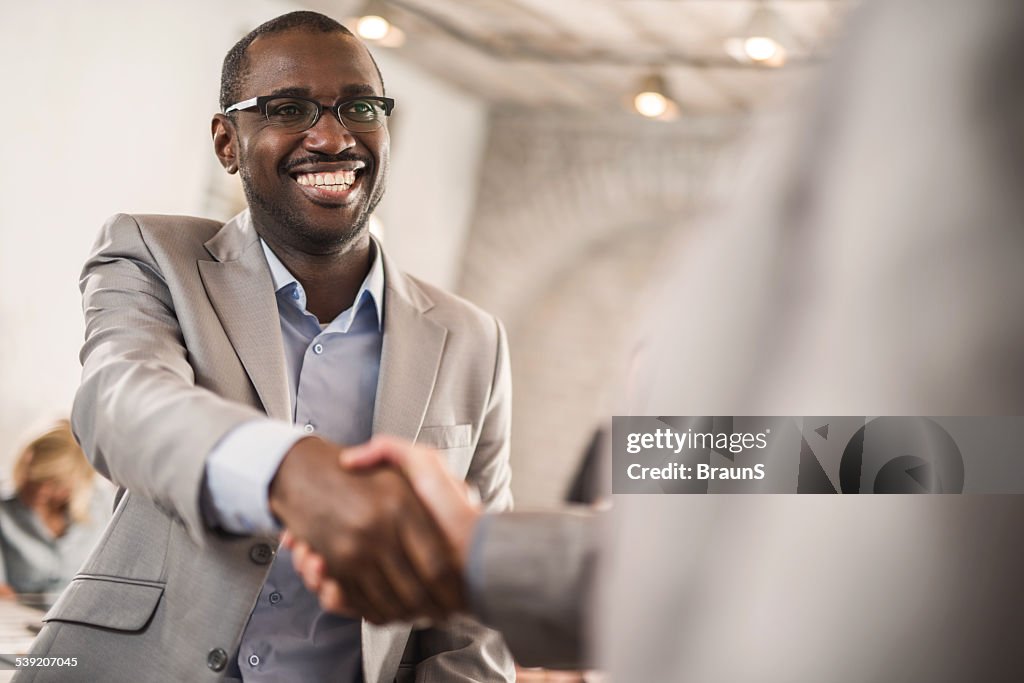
(56,456)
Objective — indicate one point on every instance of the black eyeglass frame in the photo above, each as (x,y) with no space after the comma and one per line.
(260,103)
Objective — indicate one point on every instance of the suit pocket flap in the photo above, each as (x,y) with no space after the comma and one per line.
(449,436)
(109,603)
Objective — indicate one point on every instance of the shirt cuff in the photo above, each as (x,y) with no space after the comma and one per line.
(238,474)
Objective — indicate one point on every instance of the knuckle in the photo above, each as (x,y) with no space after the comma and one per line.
(436,570)
(346,550)
(392,506)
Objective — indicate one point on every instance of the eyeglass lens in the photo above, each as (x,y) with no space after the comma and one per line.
(296,115)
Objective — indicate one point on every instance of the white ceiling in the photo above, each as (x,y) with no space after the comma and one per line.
(591,54)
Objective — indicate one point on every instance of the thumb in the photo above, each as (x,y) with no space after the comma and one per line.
(379,450)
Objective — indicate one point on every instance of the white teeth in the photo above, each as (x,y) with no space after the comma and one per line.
(340,179)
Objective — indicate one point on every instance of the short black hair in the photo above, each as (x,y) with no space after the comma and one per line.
(233,71)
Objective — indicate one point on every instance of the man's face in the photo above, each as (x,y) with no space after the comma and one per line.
(290,205)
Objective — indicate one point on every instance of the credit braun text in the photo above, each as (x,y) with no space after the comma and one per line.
(667,439)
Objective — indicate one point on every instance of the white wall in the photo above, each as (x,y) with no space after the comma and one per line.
(438,138)
(107,109)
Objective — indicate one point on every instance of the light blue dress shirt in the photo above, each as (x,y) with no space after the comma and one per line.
(332,377)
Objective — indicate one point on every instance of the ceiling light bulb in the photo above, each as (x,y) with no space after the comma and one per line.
(760,48)
(651,104)
(372,27)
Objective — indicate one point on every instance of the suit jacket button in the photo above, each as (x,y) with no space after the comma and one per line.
(216,659)
(261,553)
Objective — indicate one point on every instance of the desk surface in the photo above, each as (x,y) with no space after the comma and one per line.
(20,620)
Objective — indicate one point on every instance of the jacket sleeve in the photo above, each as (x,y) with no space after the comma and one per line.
(138,414)
(532,576)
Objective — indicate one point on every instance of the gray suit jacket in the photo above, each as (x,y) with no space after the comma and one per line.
(183,344)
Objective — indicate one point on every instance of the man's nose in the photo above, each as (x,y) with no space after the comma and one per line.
(328,136)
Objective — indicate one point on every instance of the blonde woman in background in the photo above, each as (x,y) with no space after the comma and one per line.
(50,523)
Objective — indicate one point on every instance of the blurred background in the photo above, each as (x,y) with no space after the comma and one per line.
(544,154)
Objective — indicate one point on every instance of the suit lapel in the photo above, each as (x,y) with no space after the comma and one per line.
(242,292)
(410,357)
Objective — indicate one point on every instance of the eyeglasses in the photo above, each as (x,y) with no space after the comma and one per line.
(295,114)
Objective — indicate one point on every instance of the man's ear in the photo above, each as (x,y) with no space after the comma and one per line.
(225,142)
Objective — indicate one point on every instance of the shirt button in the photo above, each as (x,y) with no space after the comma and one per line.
(275,598)
(261,553)
(254,660)
(318,349)
(296,294)
(308,428)
(216,659)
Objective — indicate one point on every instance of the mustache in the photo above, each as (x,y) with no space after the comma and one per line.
(325,159)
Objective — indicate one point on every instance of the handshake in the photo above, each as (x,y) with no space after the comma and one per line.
(380,531)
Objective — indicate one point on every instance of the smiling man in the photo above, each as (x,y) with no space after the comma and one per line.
(225,364)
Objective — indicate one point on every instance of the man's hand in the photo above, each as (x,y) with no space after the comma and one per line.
(381,547)
(446,497)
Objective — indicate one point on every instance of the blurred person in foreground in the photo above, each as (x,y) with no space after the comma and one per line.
(54,518)
(870,265)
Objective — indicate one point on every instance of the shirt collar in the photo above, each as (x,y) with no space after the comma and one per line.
(373,283)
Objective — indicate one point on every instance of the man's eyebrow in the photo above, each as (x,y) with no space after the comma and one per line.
(353,90)
(358,89)
(297,91)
